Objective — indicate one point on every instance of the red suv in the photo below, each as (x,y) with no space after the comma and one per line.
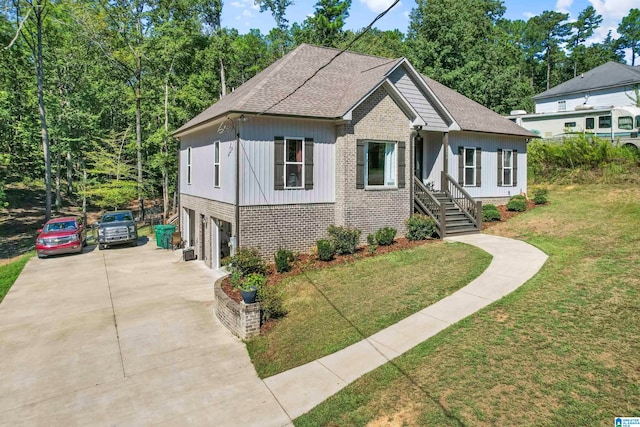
(61,236)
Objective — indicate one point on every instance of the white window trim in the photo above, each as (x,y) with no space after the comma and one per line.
(465,167)
(216,164)
(366,165)
(286,163)
(504,168)
(562,105)
(189,170)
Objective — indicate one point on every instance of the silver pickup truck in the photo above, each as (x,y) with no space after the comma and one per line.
(117,228)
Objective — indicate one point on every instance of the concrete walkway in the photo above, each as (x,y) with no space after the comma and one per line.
(514,262)
(127,336)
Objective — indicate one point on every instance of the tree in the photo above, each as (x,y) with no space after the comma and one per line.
(588,21)
(278,9)
(629,30)
(547,32)
(325,26)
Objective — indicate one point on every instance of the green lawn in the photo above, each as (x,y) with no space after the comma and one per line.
(10,272)
(564,349)
(332,308)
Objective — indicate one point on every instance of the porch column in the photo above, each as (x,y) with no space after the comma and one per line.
(445,147)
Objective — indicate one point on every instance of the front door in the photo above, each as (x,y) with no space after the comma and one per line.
(418,154)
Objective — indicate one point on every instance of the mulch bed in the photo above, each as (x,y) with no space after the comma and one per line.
(306,262)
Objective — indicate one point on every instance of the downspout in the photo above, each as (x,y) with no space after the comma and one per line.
(445,147)
(412,167)
(178,206)
(236,241)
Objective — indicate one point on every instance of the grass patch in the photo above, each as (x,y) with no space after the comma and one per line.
(332,308)
(10,272)
(561,350)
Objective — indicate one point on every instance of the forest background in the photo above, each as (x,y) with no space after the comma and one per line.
(90,91)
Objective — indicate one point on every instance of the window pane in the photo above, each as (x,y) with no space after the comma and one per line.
(625,122)
(294,150)
(604,122)
(638,121)
(591,123)
(293,174)
(570,124)
(507,177)
(506,157)
(469,176)
(375,164)
(216,175)
(469,157)
(216,152)
(390,164)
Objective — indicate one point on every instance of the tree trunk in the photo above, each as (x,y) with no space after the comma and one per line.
(139,139)
(38,9)
(58,196)
(223,80)
(69,175)
(84,193)
(165,153)
(548,67)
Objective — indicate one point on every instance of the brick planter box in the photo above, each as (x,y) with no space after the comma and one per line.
(243,320)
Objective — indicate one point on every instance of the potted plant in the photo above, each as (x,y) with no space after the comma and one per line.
(249,287)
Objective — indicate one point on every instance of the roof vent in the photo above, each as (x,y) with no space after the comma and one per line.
(518,112)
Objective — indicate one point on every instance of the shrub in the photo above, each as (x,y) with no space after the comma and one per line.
(253,279)
(271,302)
(516,205)
(420,227)
(325,250)
(246,261)
(344,239)
(236,280)
(385,236)
(540,196)
(283,260)
(490,213)
(372,243)
(518,197)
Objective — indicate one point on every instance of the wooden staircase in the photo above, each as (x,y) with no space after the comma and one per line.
(454,210)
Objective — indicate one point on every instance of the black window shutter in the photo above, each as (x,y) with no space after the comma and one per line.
(499,167)
(478,166)
(360,163)
(514,159)
(308,163)
(461,165)
(401,164)
(278,165)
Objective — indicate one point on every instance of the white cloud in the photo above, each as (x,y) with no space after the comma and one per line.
(242,4)
(563,5)
(236,4)
(529,15)
(378,5)
(247,13)
(406,14)
(612,12)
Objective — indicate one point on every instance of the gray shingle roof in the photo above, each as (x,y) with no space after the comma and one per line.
(334,90)
(472,116)
(607,75)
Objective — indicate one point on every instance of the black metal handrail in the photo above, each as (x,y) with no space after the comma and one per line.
(467,204)
(430,205)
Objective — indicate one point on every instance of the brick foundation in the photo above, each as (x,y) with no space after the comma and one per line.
(243,320)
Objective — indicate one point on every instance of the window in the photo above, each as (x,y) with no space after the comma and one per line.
(590,123)
(216,164)
(604,122)
(294,163)
(189,165)
(562,105)
(638,121)
(625,122)
(507,167)
(469,167)
(380,160)
(570,124)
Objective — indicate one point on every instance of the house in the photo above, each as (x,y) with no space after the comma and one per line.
(608,85)
(322,137)
(602,102)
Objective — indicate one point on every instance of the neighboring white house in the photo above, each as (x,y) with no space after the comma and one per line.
(602,102)
(321,138)
(608,85)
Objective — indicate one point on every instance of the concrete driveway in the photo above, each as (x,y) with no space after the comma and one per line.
(125,336)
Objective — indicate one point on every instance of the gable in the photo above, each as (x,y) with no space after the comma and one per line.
(420,101)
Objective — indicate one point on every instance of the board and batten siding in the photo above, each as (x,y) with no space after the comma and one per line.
(257,161)
(418,99)
(598,98)
(489,144)
(432,159)
(202,155)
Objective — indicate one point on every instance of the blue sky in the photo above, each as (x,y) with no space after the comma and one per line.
(243,15)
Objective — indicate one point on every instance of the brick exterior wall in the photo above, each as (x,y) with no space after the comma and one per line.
(378,118)
(294,227)
(243,320)
(210,209)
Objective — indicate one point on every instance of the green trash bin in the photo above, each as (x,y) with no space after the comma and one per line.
(163,235)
